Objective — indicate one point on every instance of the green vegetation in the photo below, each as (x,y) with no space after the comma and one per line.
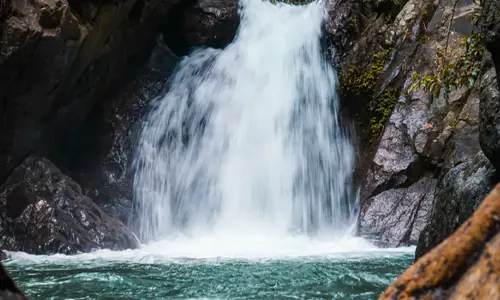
(424,39)
(381,108)
(360,83)
(454,72)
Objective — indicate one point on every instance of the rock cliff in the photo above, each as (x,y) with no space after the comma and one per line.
(419,147)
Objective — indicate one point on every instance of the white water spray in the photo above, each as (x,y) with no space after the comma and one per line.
(247,141)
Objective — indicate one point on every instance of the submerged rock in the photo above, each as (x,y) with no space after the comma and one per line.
(464,266)
(43,211)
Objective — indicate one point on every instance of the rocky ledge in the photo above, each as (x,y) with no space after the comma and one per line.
(464,266)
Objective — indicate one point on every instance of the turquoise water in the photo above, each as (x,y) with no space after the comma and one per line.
(356,276)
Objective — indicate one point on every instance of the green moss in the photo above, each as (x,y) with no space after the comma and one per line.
(358,82)
(454,72)
(381,111)
(424,39)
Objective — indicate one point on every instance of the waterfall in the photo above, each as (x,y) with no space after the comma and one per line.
(247,139)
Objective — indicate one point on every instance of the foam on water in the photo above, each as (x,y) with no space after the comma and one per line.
(220,247)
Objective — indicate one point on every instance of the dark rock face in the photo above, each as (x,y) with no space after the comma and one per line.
(490,95)
(44,211)
(57,59)
(99,156)
(491,30)
(8,289)
(458,195)
(201,23)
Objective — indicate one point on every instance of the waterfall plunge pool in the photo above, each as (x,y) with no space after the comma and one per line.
(214,268)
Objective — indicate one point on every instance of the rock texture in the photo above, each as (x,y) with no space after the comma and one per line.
(464,266)
(411,140)
(397,216)
(490,96)
(459,194)
(8,289)
(44,211)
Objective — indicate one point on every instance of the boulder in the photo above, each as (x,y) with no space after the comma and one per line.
(458,195)
(397,216)
(43,211)
(464,266)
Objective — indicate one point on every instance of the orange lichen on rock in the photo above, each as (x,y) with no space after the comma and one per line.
(440,273)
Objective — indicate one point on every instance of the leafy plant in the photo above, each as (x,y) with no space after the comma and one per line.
(453,74)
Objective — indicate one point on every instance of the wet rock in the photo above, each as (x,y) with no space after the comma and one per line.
(8,289)
(396,217)
(201,23)
(3,256)
(44,211)
(458,194)
(464,266)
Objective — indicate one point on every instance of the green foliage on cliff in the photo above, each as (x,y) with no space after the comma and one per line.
(454,72)
(358,82)
(381,108)
(363,83)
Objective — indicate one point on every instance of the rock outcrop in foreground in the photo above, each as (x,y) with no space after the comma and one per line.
(44,211)
(8,289)
(465,266)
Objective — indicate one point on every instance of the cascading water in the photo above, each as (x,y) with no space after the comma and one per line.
(242,186)
(247,139)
